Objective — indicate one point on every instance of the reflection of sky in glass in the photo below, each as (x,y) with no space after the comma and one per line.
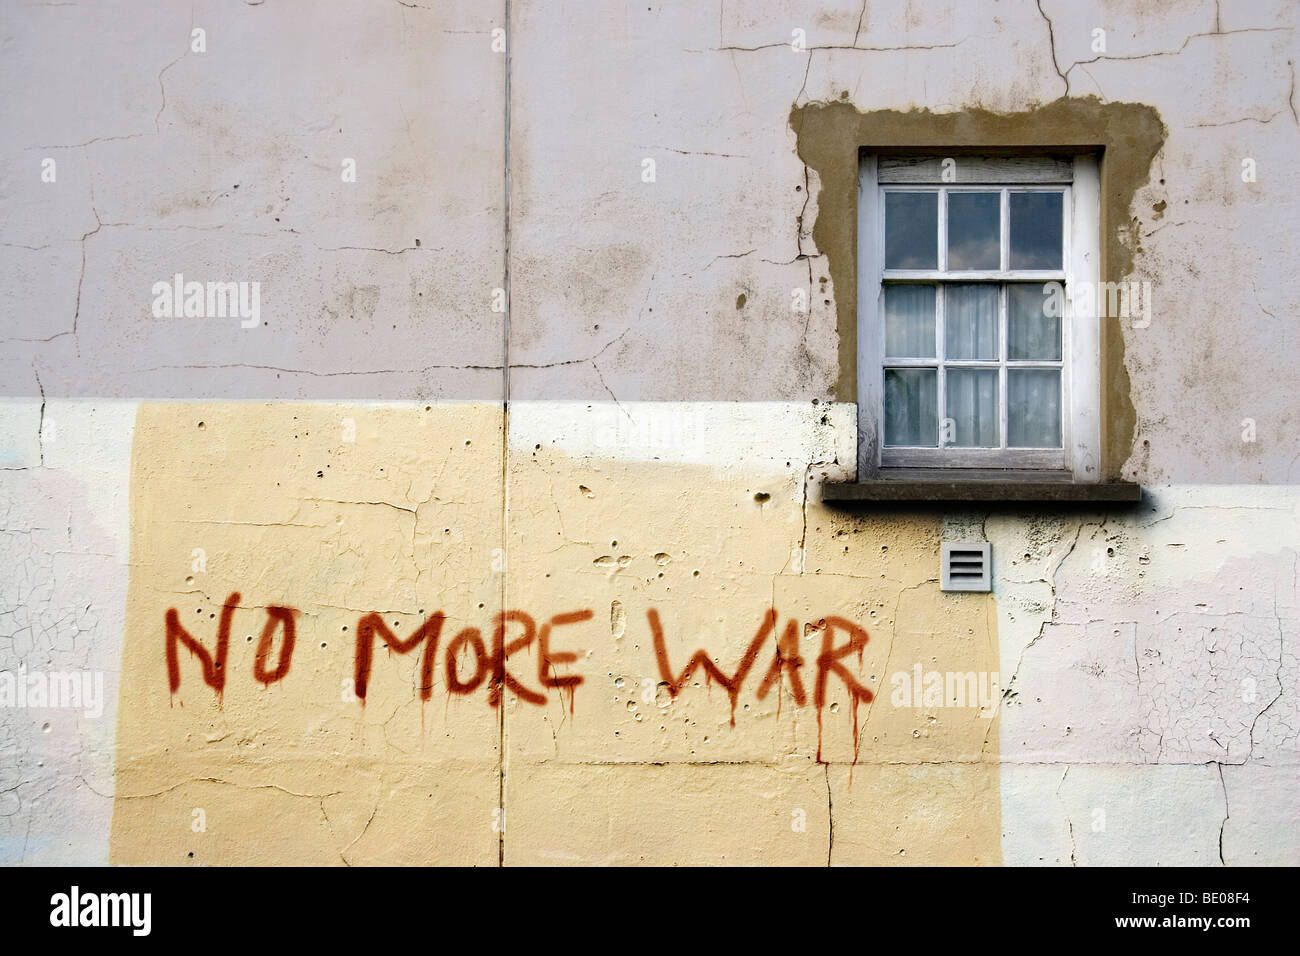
(974,225)
(1036,230)
(911,230)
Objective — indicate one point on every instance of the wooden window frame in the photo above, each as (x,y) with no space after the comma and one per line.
(1078,179)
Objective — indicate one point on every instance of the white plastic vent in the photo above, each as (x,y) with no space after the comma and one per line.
(965,566)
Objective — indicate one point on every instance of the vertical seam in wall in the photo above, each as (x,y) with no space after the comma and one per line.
(505,437)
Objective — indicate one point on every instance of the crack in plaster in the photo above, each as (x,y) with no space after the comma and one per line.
(1226,812)
(830,816)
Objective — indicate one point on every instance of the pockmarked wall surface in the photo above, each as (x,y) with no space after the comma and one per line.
(414,423)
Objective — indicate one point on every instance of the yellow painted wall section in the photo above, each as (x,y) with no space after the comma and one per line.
(561,733)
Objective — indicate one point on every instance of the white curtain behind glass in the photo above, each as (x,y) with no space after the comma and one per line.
(971,322)
(909,321)
(973,406)
(971,333)
(1033,408)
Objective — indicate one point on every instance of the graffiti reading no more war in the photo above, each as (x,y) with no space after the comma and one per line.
(470,662)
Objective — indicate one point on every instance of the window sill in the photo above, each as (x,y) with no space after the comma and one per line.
(993,491)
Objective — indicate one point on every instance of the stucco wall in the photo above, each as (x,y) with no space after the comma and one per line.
(652,486)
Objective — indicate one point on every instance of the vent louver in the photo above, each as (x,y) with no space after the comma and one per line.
(965,566)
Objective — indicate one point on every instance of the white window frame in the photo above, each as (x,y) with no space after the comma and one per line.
(1078,180)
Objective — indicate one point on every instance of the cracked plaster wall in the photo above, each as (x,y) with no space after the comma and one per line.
(1124,642)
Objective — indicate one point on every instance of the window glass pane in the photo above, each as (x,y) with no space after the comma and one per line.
(972,406)
(1032,335)
(1036,230)
(974,230)
(911,406)
(971,321)
(909,321)
(1033,408)
(911,230)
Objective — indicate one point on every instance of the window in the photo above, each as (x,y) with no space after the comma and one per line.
(971,359)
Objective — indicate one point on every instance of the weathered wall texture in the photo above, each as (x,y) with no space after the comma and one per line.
(518,588)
